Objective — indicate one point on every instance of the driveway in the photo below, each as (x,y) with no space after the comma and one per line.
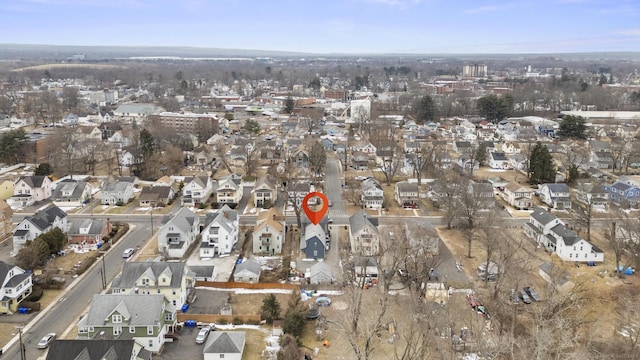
(183,349)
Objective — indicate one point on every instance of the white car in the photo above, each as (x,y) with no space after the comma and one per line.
(128,252)
(46,341)
(202,335)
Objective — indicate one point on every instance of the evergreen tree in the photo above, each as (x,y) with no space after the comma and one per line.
(573,127)
(270,308)
(252,126)
(541,167)
(495,108)
(43,169)
(288,105)
(426,109)
(481,154)
(573,174)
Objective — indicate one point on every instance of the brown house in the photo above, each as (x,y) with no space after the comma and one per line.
(89,233)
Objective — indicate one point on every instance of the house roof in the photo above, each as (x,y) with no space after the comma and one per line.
(225,342)
(568,236)
(153,193)
(556,188)
(248,265)
(515,187)
(183,220)
(92,350)
(132,271)
(225,218)
(265,182)
(321,268)
(542,216)
(360,220)
(202,270)
(4,270)
(405,186)
(95,226)
(365,261)
(33,181)
(75,187)
(202,180)
(310,231)
(44,218)
(498,156)
(111,185)
(142,310)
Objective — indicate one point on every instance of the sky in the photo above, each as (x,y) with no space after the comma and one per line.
(331,26)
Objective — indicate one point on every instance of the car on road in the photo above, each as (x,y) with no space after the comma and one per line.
(202,335)
(128,253)
(525,298)
(532,293)
(330,203)
(46,341)
(330,220)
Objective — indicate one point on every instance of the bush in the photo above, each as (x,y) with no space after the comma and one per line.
(35,306)
(237,321)
(223,322)
(36,294)
(202,206)
(86,264)
(119,203)
(253,322)
(215,205)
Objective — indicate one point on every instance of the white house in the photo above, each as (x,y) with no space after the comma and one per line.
(517,195)
(372,194)
(269,233)
(29,190)
(406,194)
(71,193)
(498,160)
(555,195)
(549,231)
(15,286)
(363,234)
(178,233)
(229,189)
(114,192)
(220,233)
(247,271)
(39,223)
(196,190)
(265,192)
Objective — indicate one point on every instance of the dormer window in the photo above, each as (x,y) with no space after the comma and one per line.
(117,319)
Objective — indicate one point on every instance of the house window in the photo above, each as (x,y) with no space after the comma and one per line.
(149,330)
(117,330)
(150,343)
(221,356)
(116,319)
(132,329)
(168,317)
(570,256)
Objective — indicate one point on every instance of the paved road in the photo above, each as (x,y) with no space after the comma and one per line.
(76,300)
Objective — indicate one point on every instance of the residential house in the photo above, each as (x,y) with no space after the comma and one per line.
(196,190)
(519,162)
(96,350)
(367,148)
(363,234)
(555,195)
(228,189)
(247,271)
(70,119)
(442,160)
(365,269)
(203,272)
(228,345)
(320,273)
(624,193)
(462,147)
(39,223)
(178,233)
(511,147)
(88,233)
(15,286)
(156,196)
(372,194)
(603,160)
(466,163)
(483,193)
(406,194)
(6,189)
(203,155)
(173,279)
(592,195)
(300,158)
(29,190)
(269,233)
(220,233)
(549,231)
(129,158)
(360,161)
(145,319)
(518,196)
(89,133)
(297,191)
(314,241)
(328,144)
(238,156)
(5,219)
(498,160)
(116,192)
(265,192)
(71,193)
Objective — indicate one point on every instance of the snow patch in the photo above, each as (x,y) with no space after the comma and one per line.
(249,291)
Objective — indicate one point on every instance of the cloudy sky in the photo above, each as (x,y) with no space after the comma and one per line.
(331,26)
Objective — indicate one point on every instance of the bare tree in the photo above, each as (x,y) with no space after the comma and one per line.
(450,186)
(423,159)
(389,154)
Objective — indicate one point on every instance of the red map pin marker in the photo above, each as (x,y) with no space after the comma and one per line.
(315,216)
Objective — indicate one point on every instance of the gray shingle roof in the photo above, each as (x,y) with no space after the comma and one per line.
(557,187)
(405,186)
(499,156)
(143,310)
(361,219)
(75,187)
(95,226)
(225,217)
(133,270)
(225,342)
(183,220)
(92,350)
(248,265)
(542,216)
(33,181)
(44,218)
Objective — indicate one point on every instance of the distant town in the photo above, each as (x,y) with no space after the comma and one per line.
(152,205)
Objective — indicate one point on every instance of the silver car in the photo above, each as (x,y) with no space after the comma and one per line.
(202,335)
(46,341)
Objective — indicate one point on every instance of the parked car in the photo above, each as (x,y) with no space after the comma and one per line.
(46,341)
(532,293)
(525,298)
(202,335)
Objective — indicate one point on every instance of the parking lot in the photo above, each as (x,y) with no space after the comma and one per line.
(208,302)
(183,349)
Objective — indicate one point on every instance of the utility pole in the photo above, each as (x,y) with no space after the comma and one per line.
(152,220)
(104,271)
(23,355)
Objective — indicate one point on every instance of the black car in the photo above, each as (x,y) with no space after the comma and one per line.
(532,293)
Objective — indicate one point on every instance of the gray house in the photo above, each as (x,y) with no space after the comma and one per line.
(178,233)
(320,273)
(225,345)
(248,271)
(314,242)
(116,192)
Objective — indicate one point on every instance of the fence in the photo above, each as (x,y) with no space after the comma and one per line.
(219,319)
(239,285)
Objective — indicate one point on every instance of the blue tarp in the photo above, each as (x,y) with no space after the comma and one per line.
(627,271)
